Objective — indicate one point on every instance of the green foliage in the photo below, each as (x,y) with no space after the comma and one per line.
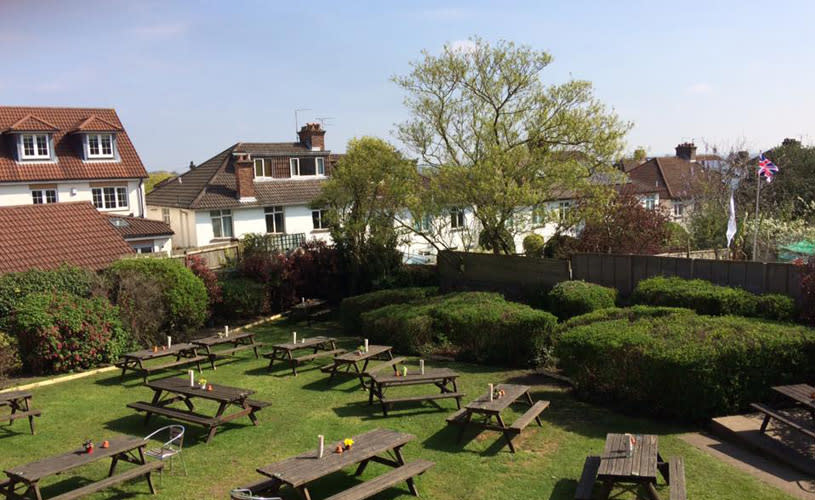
(560,246)
(708,225)
(410,275)
(352,308)
(241,298)
(682,365)
(706,298)
(573,298)
(677,238)
(482,327)
(534,245)
(9,355)
(140,300)
(155,178)
(61,332)
(185,295)
(66,279)
(630,313)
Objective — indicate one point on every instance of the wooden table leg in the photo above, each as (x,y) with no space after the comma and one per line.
(467,418)
(361,374)
(605,491)
(214,427)
(361,467)
(303,491)
(292,362)
(401,460)
(114,461)
(27,404)
(652,491)
(254,346)
(507,434)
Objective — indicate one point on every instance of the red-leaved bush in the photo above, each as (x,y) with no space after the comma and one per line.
(808,291)
(199,267)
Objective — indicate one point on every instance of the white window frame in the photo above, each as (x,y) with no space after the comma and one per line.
(100,154)
(165,215)
(273,211)
(422,224)
(101,197)
(294,167)
(680,208)
(650,202)
(35,143)
(319,166)
(457,219)
(322,224)
(218,216)
(563,208)
(43,196)
(265,168)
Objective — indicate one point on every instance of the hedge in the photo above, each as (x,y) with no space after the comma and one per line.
(706,298)
(241,298)
(481,327)
(573,298)
(682,365)
(351,308)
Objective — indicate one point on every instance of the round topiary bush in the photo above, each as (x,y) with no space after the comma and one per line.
(533,245)
(573,298)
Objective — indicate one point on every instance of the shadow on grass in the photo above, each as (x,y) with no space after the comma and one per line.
(75,482)
(195,435)
(282,369)
(446,439)
(330,383)
(10,430)
(364,411)
(563,490)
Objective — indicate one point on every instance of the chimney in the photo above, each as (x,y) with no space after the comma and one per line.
(312,136)
(244,178)
(686,151)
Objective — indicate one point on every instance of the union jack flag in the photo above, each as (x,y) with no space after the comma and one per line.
(766,168)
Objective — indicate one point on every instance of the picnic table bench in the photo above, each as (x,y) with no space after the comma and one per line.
(320,346)
(801,395)
(170,390)
(309,309)
(185,354)
(443,378)
(20,404)
(353,359)
(300,471)
(239,341)
(490,409)
(24,481)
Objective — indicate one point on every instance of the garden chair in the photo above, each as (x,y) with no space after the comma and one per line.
(169,449)
(246,494)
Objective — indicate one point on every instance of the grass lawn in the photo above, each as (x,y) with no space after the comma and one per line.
(548,462)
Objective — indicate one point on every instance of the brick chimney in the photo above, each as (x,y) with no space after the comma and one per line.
(686,151)
(312,136)
(244,178)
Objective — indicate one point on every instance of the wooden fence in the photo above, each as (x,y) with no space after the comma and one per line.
(215,257)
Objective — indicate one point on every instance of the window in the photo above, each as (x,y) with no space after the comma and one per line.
(318,218)
(35,146)
(650,202)
(40,196)
(221,223)
(109,197)
(275,220)
(421,224)
(165,215)
(301,167)
(100,146)
(538,215)
(679,209)
(144,249)
(320,166)
(563,208)
(263,167)
(294,166)
(456,218)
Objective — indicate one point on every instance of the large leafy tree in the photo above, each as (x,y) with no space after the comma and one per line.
(495,138)
(370,184)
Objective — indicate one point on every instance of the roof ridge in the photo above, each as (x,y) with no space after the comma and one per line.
(664,178)
(32,117)
(218,170)
(94,117)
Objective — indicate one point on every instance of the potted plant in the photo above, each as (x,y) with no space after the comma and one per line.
(88,445)
(348,443)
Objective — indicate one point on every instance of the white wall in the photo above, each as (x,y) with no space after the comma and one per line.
(20,194)
(158,245)
(182,222)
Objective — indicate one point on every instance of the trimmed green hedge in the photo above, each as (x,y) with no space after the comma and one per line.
(352,308)
(481,327)
(706,298)
(241,298)
(573,298)
(682,365)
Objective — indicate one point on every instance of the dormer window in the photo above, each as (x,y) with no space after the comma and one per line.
(301,167)
(35,147)
(100,145)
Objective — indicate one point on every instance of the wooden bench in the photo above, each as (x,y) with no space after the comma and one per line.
(233,350)
(428,397)
(533,413)
(380,483)
(588,477)
(142,470)
(257,405)
(256,488)
(770,413)
(317,355)
(676,476)
(385,364)
(174,413)
(457,417)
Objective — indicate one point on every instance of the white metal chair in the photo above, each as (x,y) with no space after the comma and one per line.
(169,449)
(246,494)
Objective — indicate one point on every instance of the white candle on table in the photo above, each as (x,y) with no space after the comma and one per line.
(491,390)
(366,345)
(226,330)
(192,378)
(169,342)
(421,366)
(293,337)
(322,445)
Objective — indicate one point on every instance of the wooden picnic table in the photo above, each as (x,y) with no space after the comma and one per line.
(320,347)
(175,389)
(239,341)
(306,309)
(803,394)
(354,358)
(300,471)
(443,378)
(184,353)
(20,404)
(482,406)
(122,449)
(640,467)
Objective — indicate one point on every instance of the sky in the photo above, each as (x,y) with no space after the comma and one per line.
(190,78)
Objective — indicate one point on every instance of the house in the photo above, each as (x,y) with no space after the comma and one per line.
(45,236)
(249,187)
(143,235)
(50,155)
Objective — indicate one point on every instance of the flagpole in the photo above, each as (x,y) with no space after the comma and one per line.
(755,234)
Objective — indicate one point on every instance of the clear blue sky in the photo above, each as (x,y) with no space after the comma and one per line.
(190,78)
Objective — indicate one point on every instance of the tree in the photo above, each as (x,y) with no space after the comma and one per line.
(494,138)
(371,183)
(639,154)
(155,179)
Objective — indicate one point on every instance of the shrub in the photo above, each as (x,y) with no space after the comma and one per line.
(61,332)
(629,313)
(9,355)
(706,298)
(140,300)
(241,298)
(351,308)
(65,279)
(411,275)
(682,365)
(560,246)
(533,245)
(199,267)
(807,291)
(573,298)
(185,295)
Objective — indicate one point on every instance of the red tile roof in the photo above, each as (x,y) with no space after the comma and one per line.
(138,227)
(46,236)
(69,164)
(95,124)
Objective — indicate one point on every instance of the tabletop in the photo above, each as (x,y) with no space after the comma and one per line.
(13,395)
(802,393)
(430,375)
(373,351)
(307,467)
(146,354)
(615,462)
(215,339)
(220,393)
(309,303)
(35,471)
(309,342)
(511,394)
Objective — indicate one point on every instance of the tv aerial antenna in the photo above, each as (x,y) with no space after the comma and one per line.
(325,120)
(297,120)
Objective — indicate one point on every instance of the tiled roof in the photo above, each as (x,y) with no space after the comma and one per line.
(46,236)
(671,177)
(138,227)
(95,124)
(69,164)
(274,148)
